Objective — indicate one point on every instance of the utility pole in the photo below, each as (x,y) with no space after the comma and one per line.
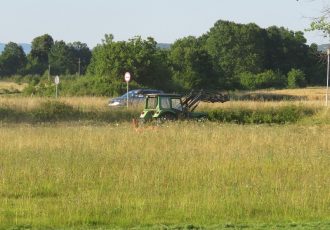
(326,95)
(79,67)
(48,72)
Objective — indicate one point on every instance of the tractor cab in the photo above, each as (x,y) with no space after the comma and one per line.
(175,106)
(165,106)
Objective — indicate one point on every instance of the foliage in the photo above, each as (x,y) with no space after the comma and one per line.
(81,56)
(322,23)
(245,50)
(191,65)
(12,60)
(93,86)
(61,59)
(296,79)
(280,115)
(268,79)
(229,56)
(286,50)
(139,57)
(72,85)
(236,48)
(38,57)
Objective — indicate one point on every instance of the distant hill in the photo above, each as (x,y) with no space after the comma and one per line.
(323,47)
(26,47)
(164,45)
(2,46)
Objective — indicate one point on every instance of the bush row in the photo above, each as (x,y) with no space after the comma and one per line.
(269,79)
(279,115)
(52,111)
(76,86)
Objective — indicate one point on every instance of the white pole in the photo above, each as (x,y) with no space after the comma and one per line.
(127,77)
(127,94)
(79,67)
(326,97)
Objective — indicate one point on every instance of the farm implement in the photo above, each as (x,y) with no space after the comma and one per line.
(176,106)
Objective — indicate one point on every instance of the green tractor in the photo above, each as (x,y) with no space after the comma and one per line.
(176,106)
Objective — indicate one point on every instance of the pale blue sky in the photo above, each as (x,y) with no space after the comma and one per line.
(166,21)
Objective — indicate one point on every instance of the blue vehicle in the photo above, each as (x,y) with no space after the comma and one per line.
(134,97)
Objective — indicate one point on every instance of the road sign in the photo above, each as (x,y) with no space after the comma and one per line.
(127,79)
(127,76)
(57,80)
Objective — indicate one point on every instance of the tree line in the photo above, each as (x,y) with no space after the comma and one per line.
(45,53)
(228,56)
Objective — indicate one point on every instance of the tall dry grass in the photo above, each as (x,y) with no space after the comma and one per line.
(29,103)
(310,93)
(183,173)
(12,86)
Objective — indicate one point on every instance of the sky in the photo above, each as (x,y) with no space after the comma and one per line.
(166,21)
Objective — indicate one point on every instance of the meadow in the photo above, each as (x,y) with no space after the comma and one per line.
(182,175)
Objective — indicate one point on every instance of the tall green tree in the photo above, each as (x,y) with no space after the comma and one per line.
(82,56)
(12,60)
(38,57)
(140,57)
(315,67)
(285,49)
(62,59)
(191,64)
(236,48)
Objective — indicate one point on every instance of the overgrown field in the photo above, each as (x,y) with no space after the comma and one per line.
(89,109)
(182,174)
(75,163)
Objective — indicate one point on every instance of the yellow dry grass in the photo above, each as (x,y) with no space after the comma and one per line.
(310,93)
(11,86)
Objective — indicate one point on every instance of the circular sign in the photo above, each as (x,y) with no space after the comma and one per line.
(57,80)
(127,76)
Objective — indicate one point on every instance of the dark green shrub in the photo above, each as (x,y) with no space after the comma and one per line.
(268,79)
(248,80)
(281,115)
(78,86)
(296,79)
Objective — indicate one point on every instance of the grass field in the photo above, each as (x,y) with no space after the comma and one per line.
(183,175)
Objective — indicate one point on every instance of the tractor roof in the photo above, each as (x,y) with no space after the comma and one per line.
(164,95)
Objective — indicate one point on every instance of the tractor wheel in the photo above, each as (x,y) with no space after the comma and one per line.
(168,117)
(202,119)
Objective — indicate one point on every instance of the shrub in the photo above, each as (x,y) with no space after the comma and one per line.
(79,86)
(268,79)
(296,79)
(282,115)
(248,80)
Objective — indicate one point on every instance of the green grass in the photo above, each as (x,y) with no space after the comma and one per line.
(54,111)
(185,174)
